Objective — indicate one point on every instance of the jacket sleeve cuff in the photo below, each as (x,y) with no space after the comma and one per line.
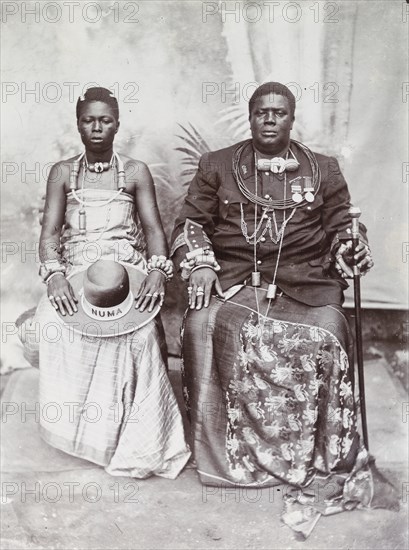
(193,237)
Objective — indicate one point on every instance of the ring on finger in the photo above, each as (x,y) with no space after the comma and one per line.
(199,292)
(155,294)
(51,297)
(150,295)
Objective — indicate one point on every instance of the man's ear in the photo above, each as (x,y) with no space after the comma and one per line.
(117,126)
(292,122)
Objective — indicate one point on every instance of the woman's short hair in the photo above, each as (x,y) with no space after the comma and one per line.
(273,88)
(98,94)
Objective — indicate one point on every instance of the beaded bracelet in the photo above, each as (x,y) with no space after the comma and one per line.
(49,267)
(205,258)
(160,271)
(161,264)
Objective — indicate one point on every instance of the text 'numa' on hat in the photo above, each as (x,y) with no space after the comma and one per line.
(106,294)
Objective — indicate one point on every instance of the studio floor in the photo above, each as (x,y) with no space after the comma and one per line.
(53,501)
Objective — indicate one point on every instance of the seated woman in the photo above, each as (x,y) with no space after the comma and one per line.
(117,404)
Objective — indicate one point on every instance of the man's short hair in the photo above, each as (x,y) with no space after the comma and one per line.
(273,88)
(98,94)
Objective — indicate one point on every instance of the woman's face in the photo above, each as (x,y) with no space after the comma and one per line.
(97,126)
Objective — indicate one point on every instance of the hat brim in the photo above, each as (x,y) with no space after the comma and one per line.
(135,319)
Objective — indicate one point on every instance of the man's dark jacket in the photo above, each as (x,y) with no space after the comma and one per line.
(305,271)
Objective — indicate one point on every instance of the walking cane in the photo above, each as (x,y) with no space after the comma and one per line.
(355,212)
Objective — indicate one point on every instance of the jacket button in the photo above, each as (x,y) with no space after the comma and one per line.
(226,201)
(258,262)
(263,239)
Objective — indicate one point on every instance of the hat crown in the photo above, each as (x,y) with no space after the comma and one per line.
(106,284)
(106,307)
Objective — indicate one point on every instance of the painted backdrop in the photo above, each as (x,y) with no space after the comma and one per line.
(183,72)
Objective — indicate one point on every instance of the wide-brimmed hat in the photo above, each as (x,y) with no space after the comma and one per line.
(106,294)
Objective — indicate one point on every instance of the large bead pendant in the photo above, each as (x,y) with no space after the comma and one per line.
(271,291)
(256,278)
(82,221)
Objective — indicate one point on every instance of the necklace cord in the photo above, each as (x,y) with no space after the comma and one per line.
(275,204)
(116,160)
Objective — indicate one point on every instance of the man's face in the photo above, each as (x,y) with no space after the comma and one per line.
(271,122)
(97,126)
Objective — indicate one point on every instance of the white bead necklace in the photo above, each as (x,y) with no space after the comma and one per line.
(82,222)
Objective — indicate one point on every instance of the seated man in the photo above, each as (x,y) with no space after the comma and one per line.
(268,363)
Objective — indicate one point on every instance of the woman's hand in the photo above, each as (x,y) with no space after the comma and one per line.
(61,295)
(344,259)
(152,291)
(200,287)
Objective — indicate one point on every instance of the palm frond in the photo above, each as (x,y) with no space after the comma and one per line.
(160,174)
(188,172)
(194,146)
(191,153)
(235,117)
(197,140)
(197,143)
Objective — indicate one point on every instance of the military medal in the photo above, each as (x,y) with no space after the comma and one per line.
(308,189)
(296,190)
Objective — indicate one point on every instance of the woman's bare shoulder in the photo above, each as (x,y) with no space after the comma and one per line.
(136,171)
(65,164)
(131,161)
(60,172)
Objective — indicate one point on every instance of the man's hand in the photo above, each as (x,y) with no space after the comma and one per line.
(61,295)
(344,259)
(200,287)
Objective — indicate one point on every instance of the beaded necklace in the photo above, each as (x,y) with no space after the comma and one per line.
(273,204)
(269,206)
(115,161)
(253,239)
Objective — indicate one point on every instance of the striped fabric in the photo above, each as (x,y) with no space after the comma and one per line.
(107,400)
(113,230)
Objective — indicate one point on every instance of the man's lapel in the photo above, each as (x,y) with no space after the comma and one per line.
(247,167)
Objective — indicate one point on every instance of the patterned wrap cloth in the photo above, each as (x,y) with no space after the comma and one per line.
(271,401)
(113,402)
